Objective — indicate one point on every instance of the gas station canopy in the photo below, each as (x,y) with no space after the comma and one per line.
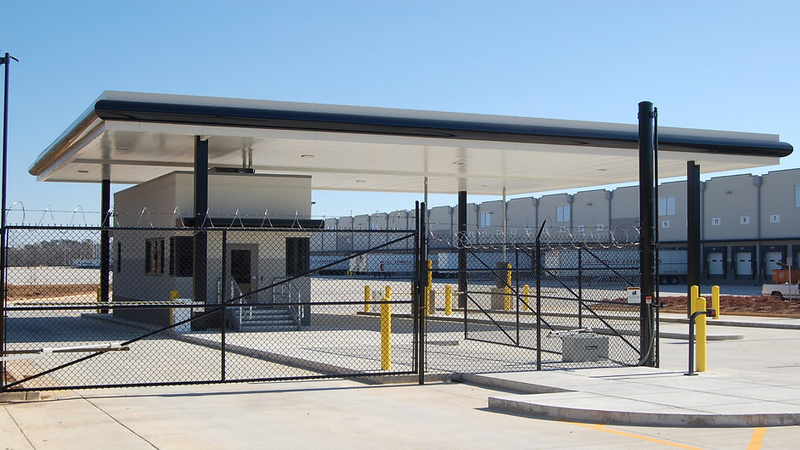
(129,138)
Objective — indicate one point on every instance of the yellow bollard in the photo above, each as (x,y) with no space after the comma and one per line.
(526,295)
(695,292)
(507,288)
(448,300)
(715,300)
(97,293)
(386,331)
(174,295)
(700,335)
(366,298)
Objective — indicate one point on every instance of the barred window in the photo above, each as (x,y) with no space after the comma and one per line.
(181,256)
(154,257)
(298,251)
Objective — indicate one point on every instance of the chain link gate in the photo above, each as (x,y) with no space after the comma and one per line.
(276,304)
(537,306)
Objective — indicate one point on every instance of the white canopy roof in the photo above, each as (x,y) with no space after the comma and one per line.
(132,137)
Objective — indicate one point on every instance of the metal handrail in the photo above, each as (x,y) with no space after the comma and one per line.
(294,291)
(236,291)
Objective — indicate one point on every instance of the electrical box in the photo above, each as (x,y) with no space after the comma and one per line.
(581,347)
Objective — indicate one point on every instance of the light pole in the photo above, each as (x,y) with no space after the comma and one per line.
(5,60)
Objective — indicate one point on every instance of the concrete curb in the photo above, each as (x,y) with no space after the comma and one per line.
(530,401)
(681,419)
(19,396)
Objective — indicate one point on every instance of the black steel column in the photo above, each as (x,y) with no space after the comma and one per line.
(647,222)
(693,246)
(462,251)
(7,61)
(105,241)
(422,288)
(200,209)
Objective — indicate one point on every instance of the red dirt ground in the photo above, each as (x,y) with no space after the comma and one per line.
(762,305)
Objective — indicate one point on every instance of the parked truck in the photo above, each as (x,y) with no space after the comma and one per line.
(785,291)
(785,283)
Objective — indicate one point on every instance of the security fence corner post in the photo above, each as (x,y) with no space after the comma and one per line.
(223,303)
(386,330)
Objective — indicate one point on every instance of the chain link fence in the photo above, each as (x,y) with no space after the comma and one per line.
(188,306)
(200,306)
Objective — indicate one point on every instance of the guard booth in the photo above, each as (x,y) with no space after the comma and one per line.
(253,239)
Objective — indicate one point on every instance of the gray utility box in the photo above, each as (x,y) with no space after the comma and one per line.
(580,347)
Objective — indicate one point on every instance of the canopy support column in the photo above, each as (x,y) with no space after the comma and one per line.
(105,239)
(693,248)
(462,250)
(200,210)
(646,220)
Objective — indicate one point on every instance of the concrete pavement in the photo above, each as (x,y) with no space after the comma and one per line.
(752,380)
(750,383)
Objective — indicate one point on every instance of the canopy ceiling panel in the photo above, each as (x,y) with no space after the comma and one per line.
(131,138)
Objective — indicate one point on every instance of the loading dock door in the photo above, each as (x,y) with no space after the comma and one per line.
(772,259)
(744,264)
(715,266)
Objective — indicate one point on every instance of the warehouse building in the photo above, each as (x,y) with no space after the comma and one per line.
(749,222)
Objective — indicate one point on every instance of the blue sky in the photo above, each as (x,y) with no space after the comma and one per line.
(726,65)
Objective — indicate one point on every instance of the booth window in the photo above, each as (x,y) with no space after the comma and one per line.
(181,256)
(154,257)
(298,256)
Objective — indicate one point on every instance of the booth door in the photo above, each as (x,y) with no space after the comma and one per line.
(243,263)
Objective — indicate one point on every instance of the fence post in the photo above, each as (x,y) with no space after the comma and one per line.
(386,330)
(366,298)
(507,289)
(448,300)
